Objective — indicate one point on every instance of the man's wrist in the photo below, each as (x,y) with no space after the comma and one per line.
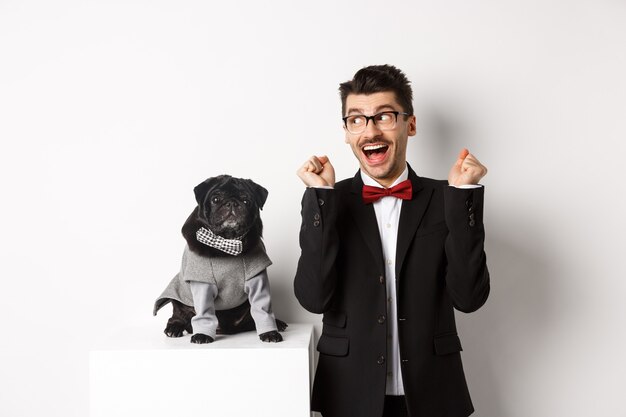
(466,186)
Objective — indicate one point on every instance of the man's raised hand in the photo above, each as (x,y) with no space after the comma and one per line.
(317,171)
(466,170)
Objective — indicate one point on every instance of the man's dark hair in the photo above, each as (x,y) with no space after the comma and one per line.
(376,79)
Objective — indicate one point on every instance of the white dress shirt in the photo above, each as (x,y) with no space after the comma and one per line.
(388,217)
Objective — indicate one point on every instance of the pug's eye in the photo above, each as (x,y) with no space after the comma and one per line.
(245,201)
(216,200)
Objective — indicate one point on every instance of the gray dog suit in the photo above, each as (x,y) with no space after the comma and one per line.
(222,283)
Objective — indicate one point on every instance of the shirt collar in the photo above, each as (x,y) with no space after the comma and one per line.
(367,180)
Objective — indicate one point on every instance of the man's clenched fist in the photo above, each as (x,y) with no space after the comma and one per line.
(317,171)
(466,170)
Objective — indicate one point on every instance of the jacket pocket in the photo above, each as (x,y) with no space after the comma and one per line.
(333,345)
(335,318)
(446,344)
(432,228)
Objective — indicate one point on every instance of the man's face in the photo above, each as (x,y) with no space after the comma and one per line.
(381,154)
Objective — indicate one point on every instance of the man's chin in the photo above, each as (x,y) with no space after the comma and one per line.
(378,172)
(383,174)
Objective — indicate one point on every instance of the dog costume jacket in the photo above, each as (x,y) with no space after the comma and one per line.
(221,283)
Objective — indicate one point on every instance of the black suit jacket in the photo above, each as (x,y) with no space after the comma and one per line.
(440,265)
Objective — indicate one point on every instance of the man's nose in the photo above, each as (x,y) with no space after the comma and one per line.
(371,129)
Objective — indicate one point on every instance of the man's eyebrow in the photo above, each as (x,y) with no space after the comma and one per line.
(376,110)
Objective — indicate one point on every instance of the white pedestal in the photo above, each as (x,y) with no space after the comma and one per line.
(142,372)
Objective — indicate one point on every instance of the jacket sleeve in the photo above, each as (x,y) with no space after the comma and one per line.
(316,275)
(467,276)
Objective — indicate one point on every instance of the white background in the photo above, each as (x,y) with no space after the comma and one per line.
(111,112)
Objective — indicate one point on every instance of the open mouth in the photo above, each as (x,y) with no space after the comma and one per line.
(375,152)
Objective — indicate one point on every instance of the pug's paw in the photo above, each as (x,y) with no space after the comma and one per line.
(272,336)
(175,328)
(201,338)
(281,325)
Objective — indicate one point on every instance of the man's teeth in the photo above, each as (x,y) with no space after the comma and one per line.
(373,147)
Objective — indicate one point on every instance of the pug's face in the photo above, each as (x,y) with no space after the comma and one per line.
(229,206)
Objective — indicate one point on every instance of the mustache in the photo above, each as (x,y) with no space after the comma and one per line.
(374,140)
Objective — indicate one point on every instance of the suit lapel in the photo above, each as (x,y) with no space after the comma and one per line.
(365,219)
(410,218)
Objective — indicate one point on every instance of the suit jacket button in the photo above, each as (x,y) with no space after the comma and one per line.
(320,202)
(381,279)
(472,223)
(381,319)
(316,216)
(471,216)
(381,360)
(316,223)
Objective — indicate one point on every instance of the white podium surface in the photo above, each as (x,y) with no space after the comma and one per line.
(142,372)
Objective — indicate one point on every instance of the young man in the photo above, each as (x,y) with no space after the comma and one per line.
(386,256)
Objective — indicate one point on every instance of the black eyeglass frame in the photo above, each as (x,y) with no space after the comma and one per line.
(373,118)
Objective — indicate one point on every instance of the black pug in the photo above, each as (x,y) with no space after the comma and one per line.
(222,287)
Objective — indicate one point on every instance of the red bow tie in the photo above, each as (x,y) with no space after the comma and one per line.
(403,190)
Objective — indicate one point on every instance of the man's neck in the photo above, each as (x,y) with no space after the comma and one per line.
(387,182)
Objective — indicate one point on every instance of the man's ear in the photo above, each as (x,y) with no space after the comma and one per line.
(259,193)
(207,185)
(412,127)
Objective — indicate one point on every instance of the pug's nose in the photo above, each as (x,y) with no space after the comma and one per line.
(232,204)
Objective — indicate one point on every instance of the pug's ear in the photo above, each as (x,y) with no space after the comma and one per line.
(202,189)
(259,193)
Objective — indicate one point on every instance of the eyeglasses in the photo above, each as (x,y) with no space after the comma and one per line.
(385,120)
